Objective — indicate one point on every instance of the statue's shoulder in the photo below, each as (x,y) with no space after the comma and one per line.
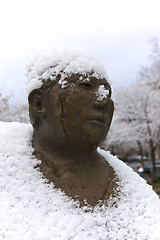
(14,129)
(130,183)
(112,160)
(13,134)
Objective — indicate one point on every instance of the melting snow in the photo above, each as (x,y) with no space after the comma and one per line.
(32,209)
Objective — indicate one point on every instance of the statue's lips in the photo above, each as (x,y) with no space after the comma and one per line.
(98,120)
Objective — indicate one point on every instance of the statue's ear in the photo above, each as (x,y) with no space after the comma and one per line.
(36,102)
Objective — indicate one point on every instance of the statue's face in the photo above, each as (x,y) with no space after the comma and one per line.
(75,115)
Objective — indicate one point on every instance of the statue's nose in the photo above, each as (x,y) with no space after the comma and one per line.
(101,105)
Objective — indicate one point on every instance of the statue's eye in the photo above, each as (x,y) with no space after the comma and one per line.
(85,85)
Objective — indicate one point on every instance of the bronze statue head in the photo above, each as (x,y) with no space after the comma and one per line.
(71,115)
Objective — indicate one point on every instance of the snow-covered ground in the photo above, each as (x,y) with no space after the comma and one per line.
(32,209)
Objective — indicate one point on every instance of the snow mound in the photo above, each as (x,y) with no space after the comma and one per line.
(64,63)
(33,209)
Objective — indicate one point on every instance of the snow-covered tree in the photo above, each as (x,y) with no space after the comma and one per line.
(19,113)
(151,75)
(137,120)
(137,112)
(4,107)
(10,113)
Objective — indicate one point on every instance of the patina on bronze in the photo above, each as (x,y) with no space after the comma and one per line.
(69,123)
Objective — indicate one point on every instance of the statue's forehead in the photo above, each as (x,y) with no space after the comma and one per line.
(87,78)
(75,79)
(68,66)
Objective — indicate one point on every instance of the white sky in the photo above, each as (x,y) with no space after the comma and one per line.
(115,31)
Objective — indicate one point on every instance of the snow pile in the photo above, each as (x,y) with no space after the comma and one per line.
(32,209)
(102,93)
(63,63)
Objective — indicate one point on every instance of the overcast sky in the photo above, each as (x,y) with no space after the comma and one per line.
(117,32)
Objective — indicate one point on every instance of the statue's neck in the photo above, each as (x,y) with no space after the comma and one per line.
(65,153)
(85,174)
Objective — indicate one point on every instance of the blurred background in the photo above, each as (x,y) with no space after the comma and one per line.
(124,35)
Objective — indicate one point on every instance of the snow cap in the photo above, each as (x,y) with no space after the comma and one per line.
(64,63)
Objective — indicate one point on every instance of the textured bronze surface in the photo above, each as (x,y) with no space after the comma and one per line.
(69,123)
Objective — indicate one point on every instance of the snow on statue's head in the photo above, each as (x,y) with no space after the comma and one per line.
(71,110)
(70,92)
